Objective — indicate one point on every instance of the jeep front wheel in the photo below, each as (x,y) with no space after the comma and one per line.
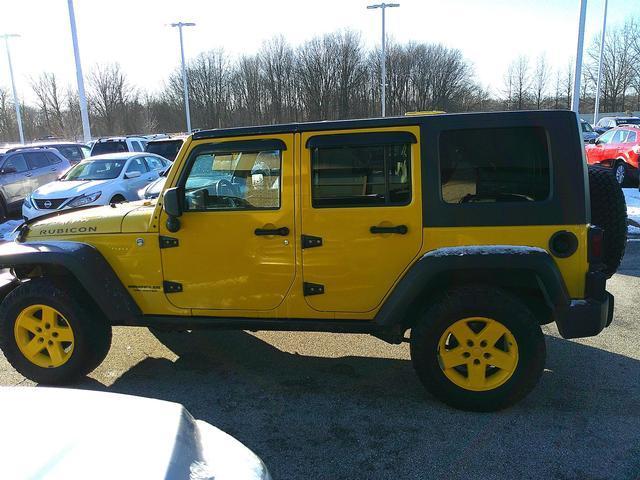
(49,336)
(478,348)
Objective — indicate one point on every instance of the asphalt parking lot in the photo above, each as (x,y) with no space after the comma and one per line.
(349,406)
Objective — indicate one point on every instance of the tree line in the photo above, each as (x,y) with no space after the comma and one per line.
(333,76)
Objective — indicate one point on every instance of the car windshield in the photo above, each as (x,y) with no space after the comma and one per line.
(96,170)
(628,121)
(167,149)
(586,127)
(109,147)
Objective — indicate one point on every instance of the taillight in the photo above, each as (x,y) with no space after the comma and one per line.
(596,244)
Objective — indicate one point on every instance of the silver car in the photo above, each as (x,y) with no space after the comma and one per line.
(25,169)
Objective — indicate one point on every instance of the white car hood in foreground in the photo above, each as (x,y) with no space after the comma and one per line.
(67,434)
(68,189)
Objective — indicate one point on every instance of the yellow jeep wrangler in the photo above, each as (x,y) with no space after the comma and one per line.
(470,231)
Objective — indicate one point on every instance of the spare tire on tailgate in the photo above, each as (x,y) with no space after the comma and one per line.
(609,212)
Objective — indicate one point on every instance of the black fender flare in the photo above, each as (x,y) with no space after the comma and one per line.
(86,264)
(491,263)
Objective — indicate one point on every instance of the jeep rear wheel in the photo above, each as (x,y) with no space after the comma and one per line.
(49,336)
(478,348)
(609,212)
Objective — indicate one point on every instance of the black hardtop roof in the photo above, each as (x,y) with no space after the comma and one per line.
(365,123)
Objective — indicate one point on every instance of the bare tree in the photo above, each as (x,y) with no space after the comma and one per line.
(540,80)
(109,93)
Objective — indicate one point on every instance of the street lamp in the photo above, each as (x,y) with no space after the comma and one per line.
(16,102)
(383,6)
(84,113)
(184,72)
(575,104)
(602,40)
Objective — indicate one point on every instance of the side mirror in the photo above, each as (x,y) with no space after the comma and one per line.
(593,140)
(134,174)
(171,202)
(6,170)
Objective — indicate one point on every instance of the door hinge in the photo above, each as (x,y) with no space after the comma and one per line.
(309,241)
(168,242)
(312,289)
(171,287)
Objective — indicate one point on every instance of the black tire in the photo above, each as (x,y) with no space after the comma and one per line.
(118,199)
(609,212)
(478,301)
(92,333)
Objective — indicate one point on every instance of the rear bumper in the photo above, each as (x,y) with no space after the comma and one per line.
(589,316)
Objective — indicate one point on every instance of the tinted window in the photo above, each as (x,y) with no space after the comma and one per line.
(234,181)
(137,165)
(361,176)
(167,149)
(494,165)
(586,127)
(71,152)
(37,160)
(632,138)
(109,147)
(18,162)
(136,146)
(53,158)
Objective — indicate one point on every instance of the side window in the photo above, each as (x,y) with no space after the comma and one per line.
(37,160)
(513,165)
(17,162)
(234,181)
(53,159)
(85,151)
(606,137)
(136,146)
(137,165)
(154,163)
(361,176)
(619,136)
(632,138)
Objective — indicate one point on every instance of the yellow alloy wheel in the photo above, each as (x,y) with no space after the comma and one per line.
(44,336)
(478,353)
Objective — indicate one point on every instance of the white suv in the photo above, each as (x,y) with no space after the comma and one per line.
(129,143)
(100,180)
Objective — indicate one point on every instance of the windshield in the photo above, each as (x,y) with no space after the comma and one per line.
(95,170)
(109,147)
(167,149)
(628,121)
(586,127)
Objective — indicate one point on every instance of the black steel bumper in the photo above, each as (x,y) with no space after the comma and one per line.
(589,316)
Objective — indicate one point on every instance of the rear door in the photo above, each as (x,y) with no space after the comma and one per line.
(16,184)
(42,168)
(361,215)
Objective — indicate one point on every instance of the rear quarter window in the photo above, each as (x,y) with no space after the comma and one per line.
(494,165)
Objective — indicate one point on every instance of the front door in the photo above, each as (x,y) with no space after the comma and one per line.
(236,248)
(361,215)
(16,179)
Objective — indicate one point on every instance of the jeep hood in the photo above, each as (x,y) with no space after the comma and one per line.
(122,217)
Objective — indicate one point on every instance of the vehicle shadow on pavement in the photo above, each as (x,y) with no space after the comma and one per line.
(358,417)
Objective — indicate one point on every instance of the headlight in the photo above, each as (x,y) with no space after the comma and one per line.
(84,200)
(27,202)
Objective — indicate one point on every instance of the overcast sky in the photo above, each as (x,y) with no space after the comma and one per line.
(134,33)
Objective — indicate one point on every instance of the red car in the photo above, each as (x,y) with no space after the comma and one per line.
(619,149)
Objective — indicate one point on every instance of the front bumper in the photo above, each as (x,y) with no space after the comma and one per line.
(30,213)
(589,316)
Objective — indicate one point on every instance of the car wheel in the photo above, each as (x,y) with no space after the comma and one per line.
(620,172)
(478,348)
(117,199)
(609,212)
(49,335)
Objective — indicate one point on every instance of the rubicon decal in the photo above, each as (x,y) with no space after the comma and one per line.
(67,230)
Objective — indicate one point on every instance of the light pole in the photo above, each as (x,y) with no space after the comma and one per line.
(16,102)
(602,40)
(575,104)
(383,60)
(185,85)
(84,113)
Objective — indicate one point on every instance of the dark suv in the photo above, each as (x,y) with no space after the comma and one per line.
(22,170)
